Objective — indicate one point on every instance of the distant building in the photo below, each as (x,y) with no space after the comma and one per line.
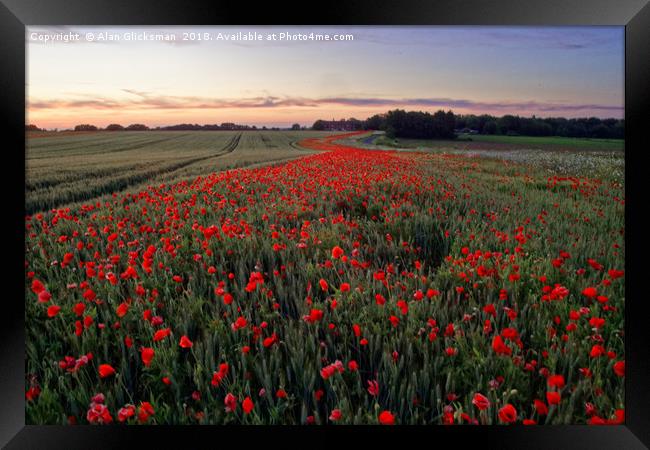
(233,126)
(340,125)
(466,131)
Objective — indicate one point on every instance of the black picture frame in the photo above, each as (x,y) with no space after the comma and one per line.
(16,14)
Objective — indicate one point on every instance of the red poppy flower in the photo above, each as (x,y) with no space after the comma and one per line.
(619,368)
(335,415)
(596,322)
(540,407)
(451,351)
(147,355)
(490,309)
(314,316)
(508,414)
(590,292)
(614,274)
(144,412)
(53,310)
(596,351)
(619,417)
(269,341)
(44,296)
(79,309)
(125,413)
(37,286)
(373,388)
(161,334)
(106,370)
(32,393)
(185,342)
(386,418)
(230,401)
(98,413)
(337,252)
(481,401)
(499,347)
(247,405)
(553,398)
(556,381)
(122,309)
(239,323)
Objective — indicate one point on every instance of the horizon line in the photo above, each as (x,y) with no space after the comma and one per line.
(290,123)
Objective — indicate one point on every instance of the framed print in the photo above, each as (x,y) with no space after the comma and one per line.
(381,219)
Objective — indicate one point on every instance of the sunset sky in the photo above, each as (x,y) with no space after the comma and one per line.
(559,71)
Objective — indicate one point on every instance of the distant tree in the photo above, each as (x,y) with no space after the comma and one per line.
(576,129)
(85,127)
(137,127)
(355,124)
(600,131)
(420,125)
(295,126)
(619,130)
(114,127)
(32,128)
(376,122)
(490,127)
(508,124)
(318,125)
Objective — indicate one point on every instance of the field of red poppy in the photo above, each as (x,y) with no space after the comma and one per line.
(348,286)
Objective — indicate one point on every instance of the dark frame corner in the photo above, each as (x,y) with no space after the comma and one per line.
(633,14)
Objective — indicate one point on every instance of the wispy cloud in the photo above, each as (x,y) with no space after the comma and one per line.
(146,100)
(559,38)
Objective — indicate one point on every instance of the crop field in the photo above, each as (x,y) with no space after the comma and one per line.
(556,155)
(74,168)
(338,285)
(497,142)
(557,142)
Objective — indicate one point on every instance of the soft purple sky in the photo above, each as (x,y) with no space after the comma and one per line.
(546,71)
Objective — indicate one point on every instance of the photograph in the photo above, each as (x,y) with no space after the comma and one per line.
(325,225)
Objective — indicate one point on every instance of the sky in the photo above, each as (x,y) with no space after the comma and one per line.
(163,76)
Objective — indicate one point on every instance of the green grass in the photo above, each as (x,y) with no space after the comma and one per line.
(496,142)
(577,143)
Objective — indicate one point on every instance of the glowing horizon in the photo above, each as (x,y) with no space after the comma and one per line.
(542,71)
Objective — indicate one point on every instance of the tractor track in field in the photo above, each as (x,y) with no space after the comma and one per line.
(294,145)
(119,184)
(83,150)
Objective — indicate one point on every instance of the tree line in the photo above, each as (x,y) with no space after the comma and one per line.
(447,125)
(584,127)
(178,127)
